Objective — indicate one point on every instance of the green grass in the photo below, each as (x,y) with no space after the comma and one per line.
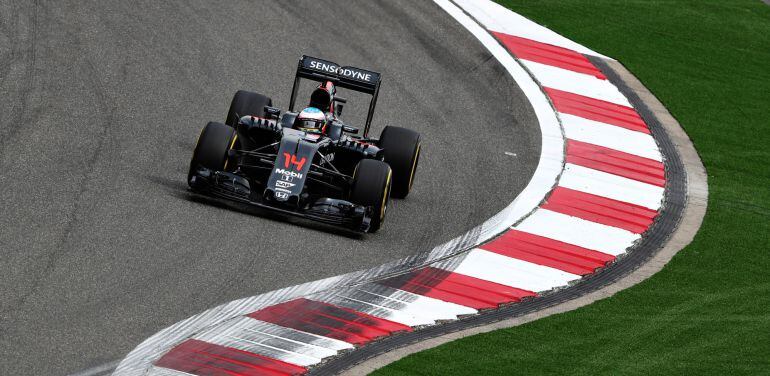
(708,311)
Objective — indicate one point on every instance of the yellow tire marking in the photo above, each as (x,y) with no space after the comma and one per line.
(414,166)
(228,149)
(385,195)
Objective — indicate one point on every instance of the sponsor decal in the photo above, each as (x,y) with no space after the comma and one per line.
(282,190)
(347,72)
(355,74)
(287,178)
(281,196)
(283,184)
(288,173)
(291,159)
(324,66)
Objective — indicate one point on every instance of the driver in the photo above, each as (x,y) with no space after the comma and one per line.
(311,120)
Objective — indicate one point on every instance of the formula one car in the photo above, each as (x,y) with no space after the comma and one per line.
(307,164)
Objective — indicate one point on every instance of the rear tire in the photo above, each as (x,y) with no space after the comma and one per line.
(372,181)
(211,150)
(246,103)
(402,153)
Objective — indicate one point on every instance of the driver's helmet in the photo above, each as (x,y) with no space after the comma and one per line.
(311,120)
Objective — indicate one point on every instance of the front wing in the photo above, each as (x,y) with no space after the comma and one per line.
(234,190)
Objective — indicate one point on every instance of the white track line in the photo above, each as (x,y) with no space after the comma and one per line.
(552,139)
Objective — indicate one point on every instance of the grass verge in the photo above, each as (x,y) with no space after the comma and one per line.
(708,311)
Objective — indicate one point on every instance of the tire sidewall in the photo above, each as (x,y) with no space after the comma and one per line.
(212,148)
(372,183)
(402,152)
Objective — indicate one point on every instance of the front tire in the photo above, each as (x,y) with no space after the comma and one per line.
(212,148)
(372,181)
(246,103)
(402,153)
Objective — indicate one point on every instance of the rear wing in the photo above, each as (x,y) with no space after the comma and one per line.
(361,80)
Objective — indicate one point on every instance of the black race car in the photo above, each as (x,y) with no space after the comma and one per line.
(309,163)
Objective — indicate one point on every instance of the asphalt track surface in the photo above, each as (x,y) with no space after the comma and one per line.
(102,245)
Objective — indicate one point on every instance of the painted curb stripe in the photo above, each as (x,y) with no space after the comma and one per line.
(576,83)
(578,231)
(380,311)
(548,54)
(497,18)
(611,186)
(610,136)
(416,305)
(616,162)
(254,325)
(511,272)
(207,359)
(377,306)
(328,320)
(269,340)
(599,209)
(160,371)
(544,251)
(597,110)
(456,288)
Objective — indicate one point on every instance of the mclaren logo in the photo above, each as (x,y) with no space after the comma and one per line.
(288,173)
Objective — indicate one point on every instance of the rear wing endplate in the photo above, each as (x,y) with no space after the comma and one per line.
(352,78)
